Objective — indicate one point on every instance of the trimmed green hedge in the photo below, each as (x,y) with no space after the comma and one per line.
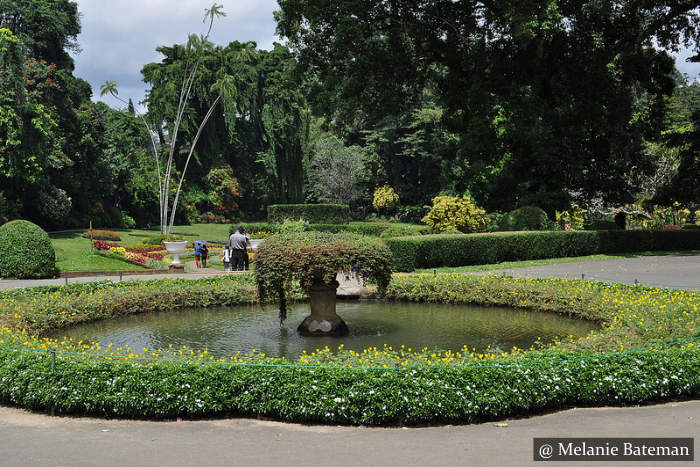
(26,251)
(311,213)
(342,395)
(462,250)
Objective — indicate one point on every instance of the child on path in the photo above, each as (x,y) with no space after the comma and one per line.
(197,254)
(226,257)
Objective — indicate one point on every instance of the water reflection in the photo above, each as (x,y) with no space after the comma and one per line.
(372,324)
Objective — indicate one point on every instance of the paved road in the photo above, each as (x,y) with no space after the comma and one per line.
(673,271)
(31,439)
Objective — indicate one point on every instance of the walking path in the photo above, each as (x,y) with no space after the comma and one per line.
(33,439)
(680,271)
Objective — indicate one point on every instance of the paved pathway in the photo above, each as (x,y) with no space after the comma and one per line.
(673,271)
(28,439)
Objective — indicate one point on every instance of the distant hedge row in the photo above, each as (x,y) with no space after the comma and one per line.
(311,213)
(374,229)
(429,251)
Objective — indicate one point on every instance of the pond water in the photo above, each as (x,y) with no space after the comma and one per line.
(223,331)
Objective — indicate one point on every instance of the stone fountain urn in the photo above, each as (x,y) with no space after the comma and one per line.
(312,260)
(176,249)
(323,320)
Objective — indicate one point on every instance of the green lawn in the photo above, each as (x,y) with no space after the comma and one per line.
(73,252)
(544,262)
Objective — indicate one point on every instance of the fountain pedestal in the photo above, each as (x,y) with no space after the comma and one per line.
(323,320)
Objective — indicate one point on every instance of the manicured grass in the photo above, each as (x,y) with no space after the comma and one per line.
(73,253)
(545,262)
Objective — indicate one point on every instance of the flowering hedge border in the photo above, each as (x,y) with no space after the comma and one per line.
(514,385)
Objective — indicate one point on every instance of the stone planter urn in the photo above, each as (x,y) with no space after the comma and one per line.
(175,249)
(323,320)
(255,242)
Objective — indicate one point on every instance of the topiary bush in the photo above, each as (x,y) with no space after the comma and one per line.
(456,213)
(526,218)
(26,251)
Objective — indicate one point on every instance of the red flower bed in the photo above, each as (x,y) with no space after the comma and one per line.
(672,227)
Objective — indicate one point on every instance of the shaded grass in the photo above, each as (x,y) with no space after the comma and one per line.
(545,262)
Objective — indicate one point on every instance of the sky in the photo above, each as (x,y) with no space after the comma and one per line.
(120,36)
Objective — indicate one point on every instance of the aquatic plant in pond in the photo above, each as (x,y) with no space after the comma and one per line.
(314,260)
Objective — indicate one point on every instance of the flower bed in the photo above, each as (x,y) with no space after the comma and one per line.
(139,254)
(374,387)
(102,235)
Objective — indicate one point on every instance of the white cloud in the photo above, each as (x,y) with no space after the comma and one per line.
(119,37)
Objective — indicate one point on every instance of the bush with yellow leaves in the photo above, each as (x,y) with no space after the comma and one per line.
(456,213)
(385,200)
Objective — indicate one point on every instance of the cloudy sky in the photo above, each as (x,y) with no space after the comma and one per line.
(120,36)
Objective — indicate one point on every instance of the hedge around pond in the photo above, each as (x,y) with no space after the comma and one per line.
(429,251)
(321,389)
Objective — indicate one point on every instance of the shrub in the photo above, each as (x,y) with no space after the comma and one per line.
(252,227)
(385,200)
(496,221)
(311,213)
(26,251)
(410,214)
(403,230)
(456,213)
(127,222)
(431,251)
(575,216)
(291,226)
(526,218)
(102,235)
(160,238)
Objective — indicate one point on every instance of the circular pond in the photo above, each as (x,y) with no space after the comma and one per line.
(224,331)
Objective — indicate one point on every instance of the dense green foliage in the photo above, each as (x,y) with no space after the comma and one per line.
(25,251)
(311,213)
(526,218)
(314,258)
(543,97)
(430,251)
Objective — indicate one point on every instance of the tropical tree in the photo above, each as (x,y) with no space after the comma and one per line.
(544,96)
(224,88)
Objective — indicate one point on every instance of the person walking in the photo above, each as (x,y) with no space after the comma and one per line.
(205,254)
(239,246)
